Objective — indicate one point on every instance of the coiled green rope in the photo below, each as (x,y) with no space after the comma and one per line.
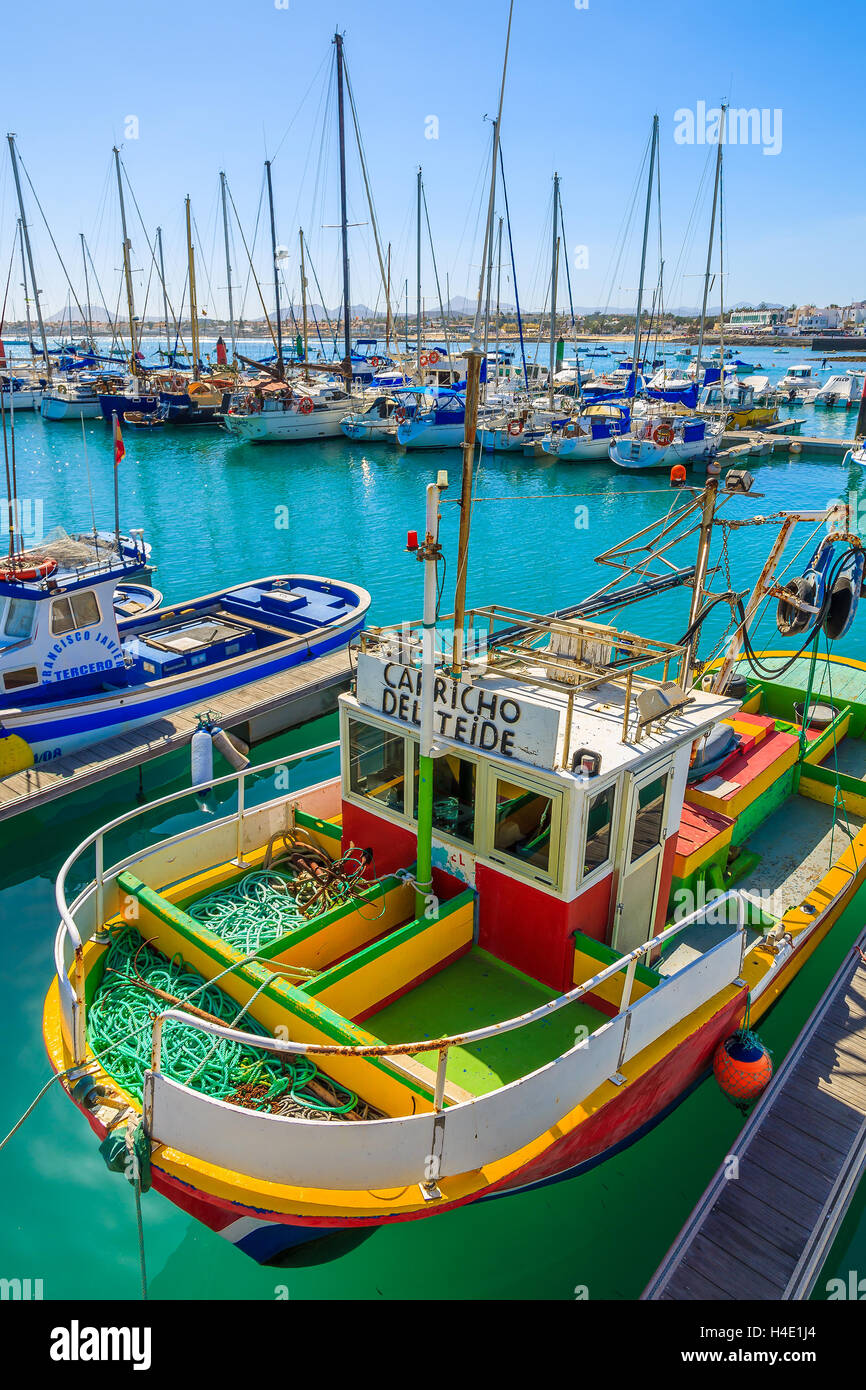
(120,1026)
(252,913)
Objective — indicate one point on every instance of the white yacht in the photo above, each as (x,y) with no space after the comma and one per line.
(70,400)
(798,380)
(288,412)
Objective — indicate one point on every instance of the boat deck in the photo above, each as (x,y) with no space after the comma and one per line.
(471,993)
(799,1160)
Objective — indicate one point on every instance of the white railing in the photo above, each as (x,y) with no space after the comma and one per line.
(463,1137)
(69,941)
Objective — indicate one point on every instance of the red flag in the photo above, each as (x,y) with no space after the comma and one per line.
(119,447)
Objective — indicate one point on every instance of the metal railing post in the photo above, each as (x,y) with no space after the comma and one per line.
(239,857)
(439,1092)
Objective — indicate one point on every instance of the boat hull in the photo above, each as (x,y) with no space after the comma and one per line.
(291,427)
(55,730)
(59,408)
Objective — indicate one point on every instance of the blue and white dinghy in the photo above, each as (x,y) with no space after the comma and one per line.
(74,672)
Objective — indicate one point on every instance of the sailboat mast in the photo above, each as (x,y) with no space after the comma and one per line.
(646,222)
(304,305)
(418,270)
(554,258)
(388,307)
(276,269)
(26,236)
(193,302)
(86,289)
(710,248)
(344,223)
(24,283)
(127,268)
(228,265)
(164,291)
(473,381)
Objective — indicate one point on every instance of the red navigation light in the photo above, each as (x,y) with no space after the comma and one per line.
(412,540)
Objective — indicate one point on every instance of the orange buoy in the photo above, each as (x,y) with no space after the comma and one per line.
(678,475)
(742,1066)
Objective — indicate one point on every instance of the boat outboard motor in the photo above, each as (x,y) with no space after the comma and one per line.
(844,596)
(808,589)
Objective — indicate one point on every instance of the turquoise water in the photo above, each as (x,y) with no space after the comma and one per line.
(209,509)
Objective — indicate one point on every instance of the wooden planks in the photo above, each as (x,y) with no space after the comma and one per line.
(765,1232)
(37,785)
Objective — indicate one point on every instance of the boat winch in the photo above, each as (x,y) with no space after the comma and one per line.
(827,592)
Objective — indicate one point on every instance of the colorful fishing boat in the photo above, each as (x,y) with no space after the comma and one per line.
(556,869)
(74,672)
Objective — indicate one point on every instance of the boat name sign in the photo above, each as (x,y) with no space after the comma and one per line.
(489,721)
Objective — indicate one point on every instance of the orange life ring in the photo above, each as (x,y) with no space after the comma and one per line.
(432,357)
(40,571)
(424,359)
(305,406)
(663,435)
(515,427)
(400,415)
(375,363)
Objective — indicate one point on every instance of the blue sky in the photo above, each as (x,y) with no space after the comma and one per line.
(220,85)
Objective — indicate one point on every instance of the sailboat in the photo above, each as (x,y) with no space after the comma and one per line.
(282,412)
(660,434)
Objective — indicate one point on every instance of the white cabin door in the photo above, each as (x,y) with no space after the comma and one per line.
(641,857)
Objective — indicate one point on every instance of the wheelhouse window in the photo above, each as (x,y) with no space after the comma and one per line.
(649,816)
(79,610)
(523,822)
(377,765)
(599,822)
(18,623)
(454,791)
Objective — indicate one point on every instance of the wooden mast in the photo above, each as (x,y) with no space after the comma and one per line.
(193,302)
(127,269)
(26,236)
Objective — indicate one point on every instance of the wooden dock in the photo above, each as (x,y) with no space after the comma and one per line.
(766,1232)
(256,711)
(741,444)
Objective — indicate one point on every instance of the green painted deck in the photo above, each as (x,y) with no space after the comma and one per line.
(474,991)
(834,681)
